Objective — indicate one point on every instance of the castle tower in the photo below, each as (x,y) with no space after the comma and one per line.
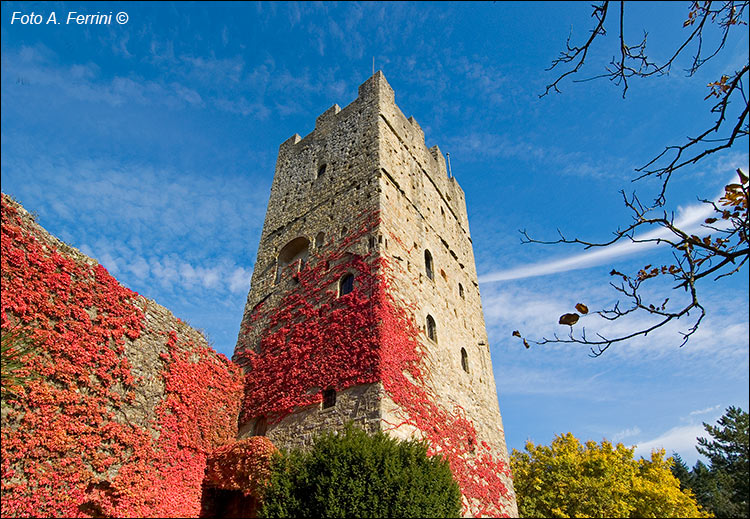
(364,304)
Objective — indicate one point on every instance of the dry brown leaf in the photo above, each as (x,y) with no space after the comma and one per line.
(569,319)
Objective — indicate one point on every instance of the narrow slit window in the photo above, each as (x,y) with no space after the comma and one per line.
(321,170)
(431,330)
(428,264)
(464,360)
(461,290)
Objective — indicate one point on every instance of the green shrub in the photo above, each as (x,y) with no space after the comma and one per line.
(353,474)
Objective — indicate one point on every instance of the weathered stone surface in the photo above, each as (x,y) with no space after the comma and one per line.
(126,401)
(369,158)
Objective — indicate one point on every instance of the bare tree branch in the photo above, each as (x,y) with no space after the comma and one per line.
(721,246)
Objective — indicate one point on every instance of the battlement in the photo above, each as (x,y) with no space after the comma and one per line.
(372,92)
(376,105)
(375,92)
(376,87)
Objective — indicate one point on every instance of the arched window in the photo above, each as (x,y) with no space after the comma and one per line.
(461,290)
(431,330)
(346,284)
(319,239)
(464,360)
(294,251)
(428,264)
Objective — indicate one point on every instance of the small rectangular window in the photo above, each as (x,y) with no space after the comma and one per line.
(329,398)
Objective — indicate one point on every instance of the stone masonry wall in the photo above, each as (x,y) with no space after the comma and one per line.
(124,401)
(424,210)
(381,201)
(324,208)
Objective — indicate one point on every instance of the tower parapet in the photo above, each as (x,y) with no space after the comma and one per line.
(364,304)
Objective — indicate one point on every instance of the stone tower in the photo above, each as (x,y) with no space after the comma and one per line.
(364,304)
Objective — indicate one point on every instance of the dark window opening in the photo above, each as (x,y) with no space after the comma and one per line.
(461,290)
(431,330)
(428,264)
(343,231)
(346,285)
(319,240)
(261,426)
(321,170)
(464,360)
(329,398)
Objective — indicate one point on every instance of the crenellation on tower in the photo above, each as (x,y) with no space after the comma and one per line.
(417,128)
(376,89)
(366,257)
(291,141)
(438,156)
(325,121)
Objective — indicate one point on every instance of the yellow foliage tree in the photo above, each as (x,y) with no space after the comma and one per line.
(568,479)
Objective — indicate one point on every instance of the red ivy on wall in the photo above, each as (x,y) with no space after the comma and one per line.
(313,340)
(244,465)
(69,447)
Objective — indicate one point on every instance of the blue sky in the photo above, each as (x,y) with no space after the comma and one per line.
(151,147)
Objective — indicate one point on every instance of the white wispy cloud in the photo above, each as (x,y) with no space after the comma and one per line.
(626,433)
(689,219)
(681,439)
(84,81)
(533,308)
(521,379)
(170,272)
(239,279)
(711,409)
(189,81)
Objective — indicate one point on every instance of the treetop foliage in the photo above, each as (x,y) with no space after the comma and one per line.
(724,487)
(570,479)
(353,474)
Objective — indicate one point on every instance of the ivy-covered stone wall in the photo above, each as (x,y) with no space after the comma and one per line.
(122,402)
